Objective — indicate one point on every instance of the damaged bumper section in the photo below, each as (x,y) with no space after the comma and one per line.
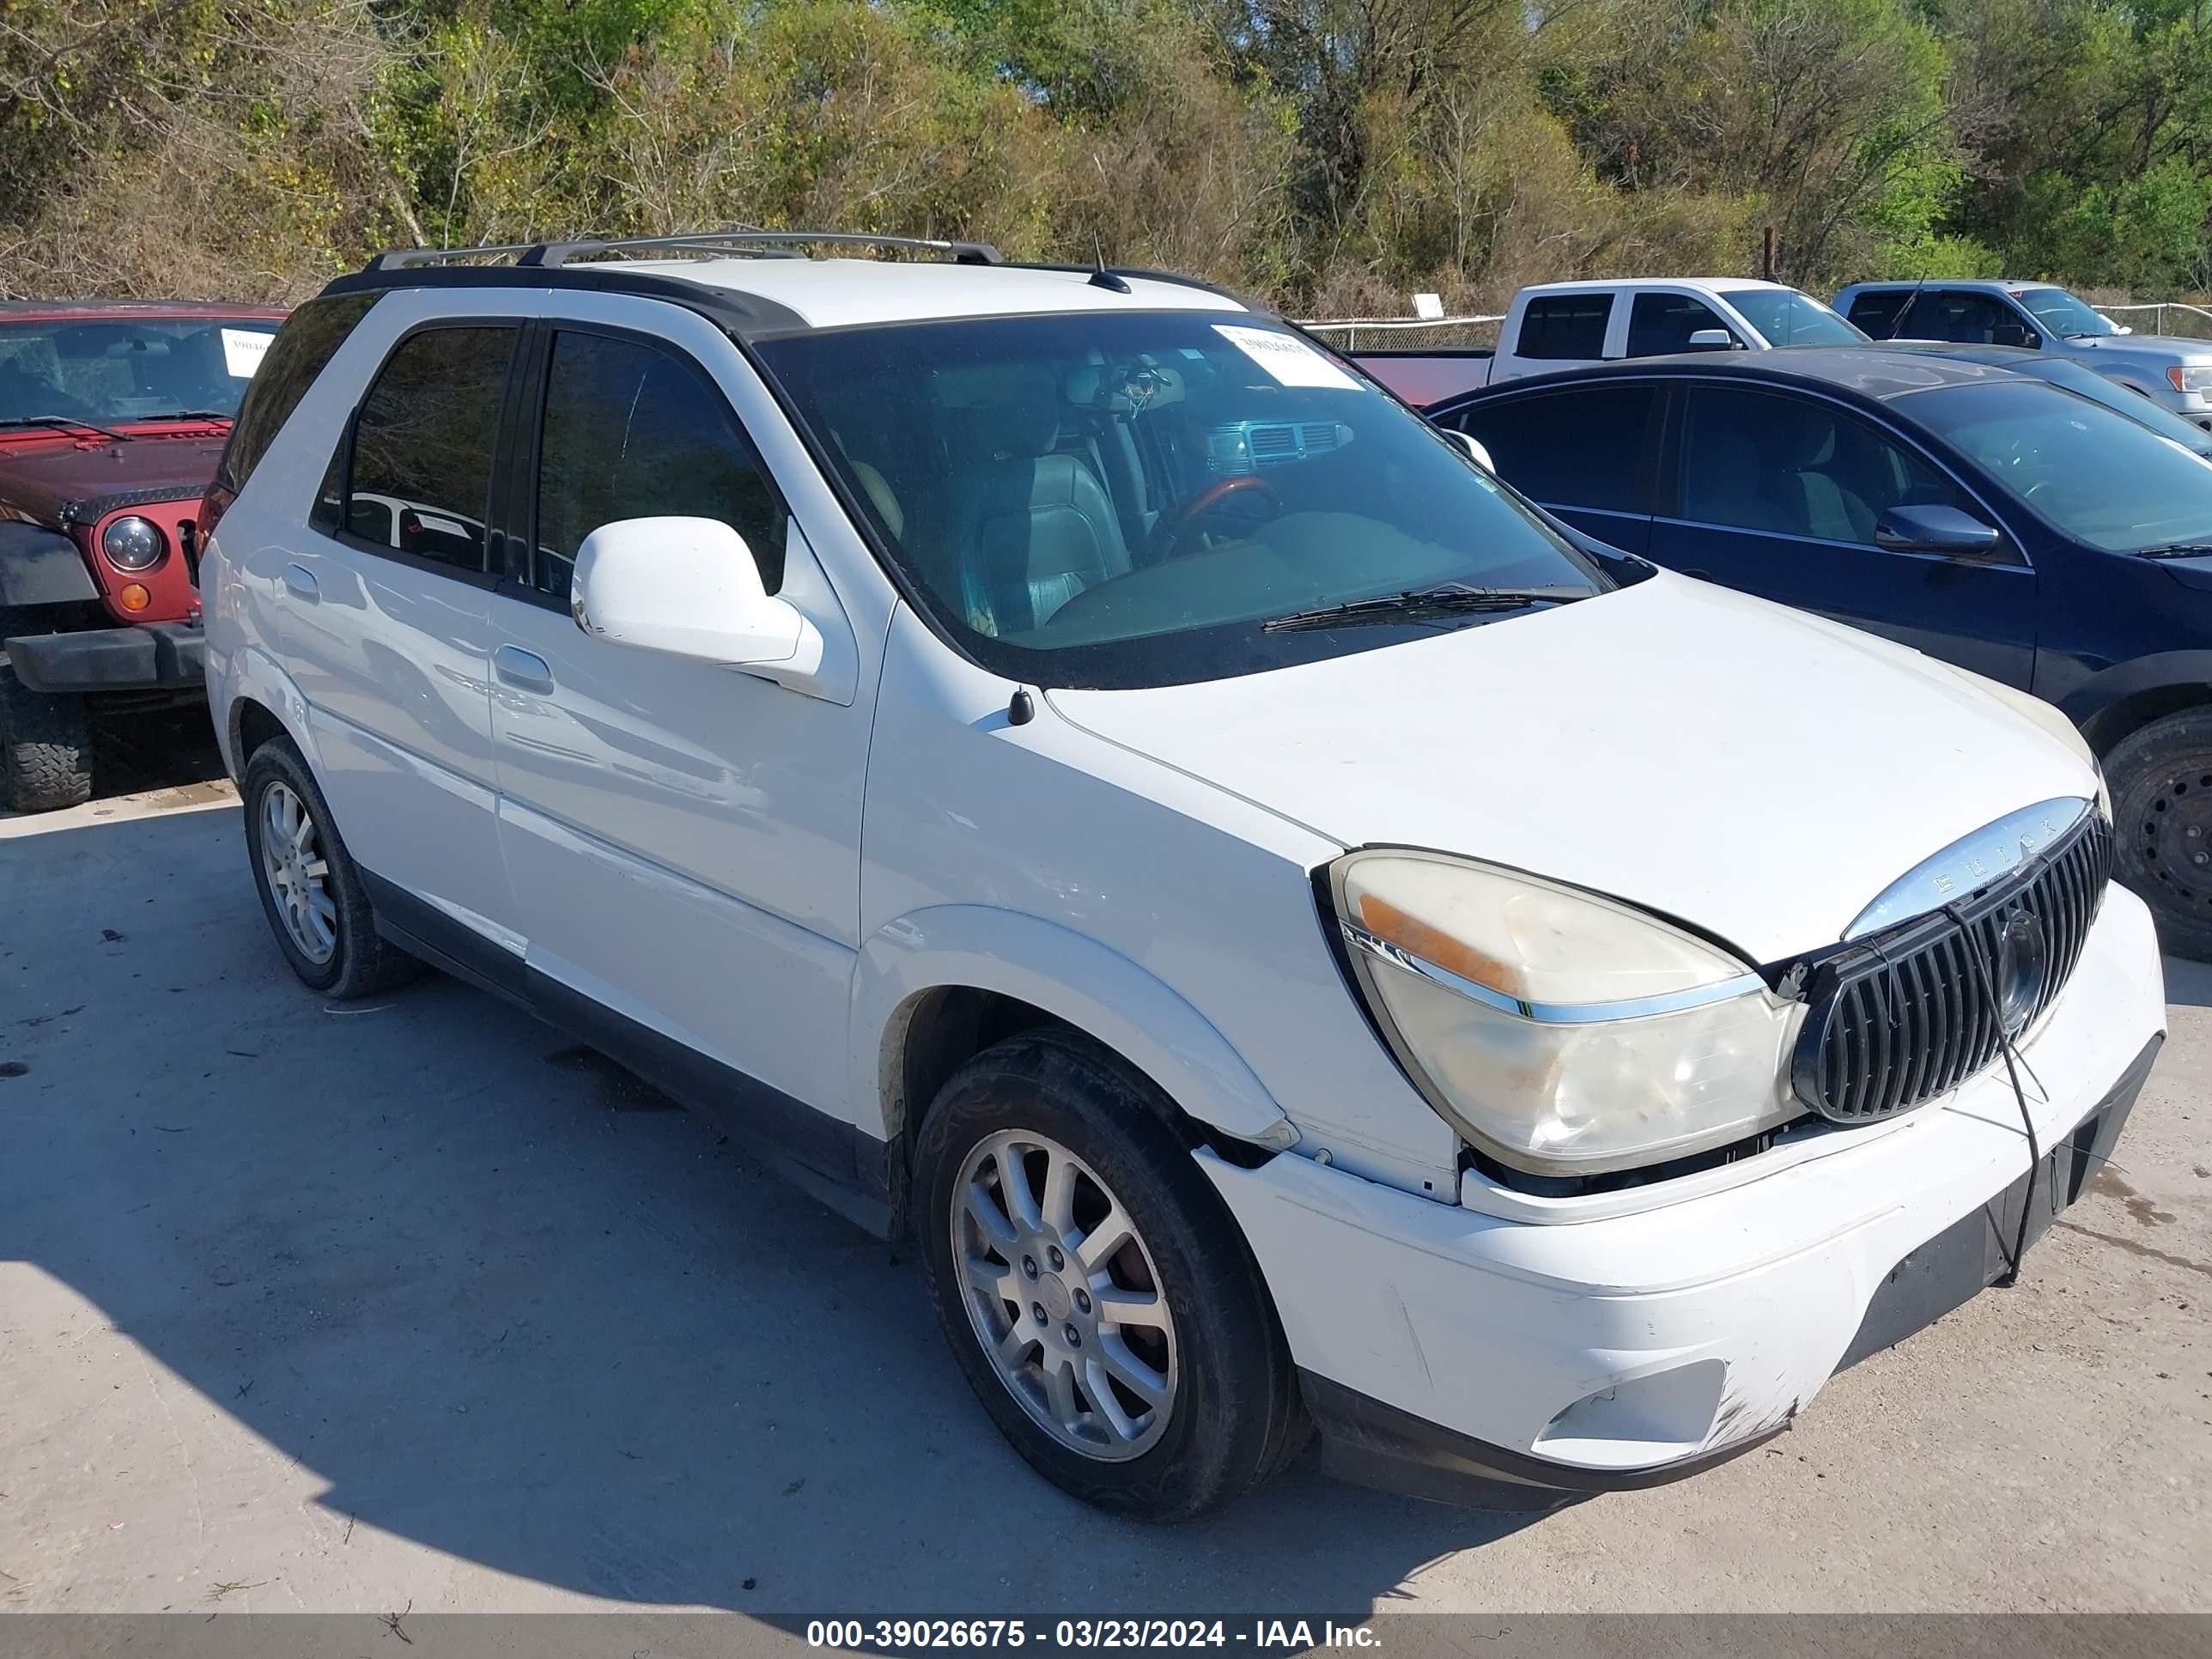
(1569,1346)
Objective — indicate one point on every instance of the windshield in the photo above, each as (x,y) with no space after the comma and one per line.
(2064,315)
(112,369)
(2100,477)
(1786,317)
(2087,383)
(1125,500)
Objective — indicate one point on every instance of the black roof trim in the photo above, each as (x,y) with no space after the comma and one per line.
(739,313)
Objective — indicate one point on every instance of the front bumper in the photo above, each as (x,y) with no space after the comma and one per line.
(152,656)
(1514,1362)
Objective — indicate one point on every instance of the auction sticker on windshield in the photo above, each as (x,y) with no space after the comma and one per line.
(1289,361)
(243,350)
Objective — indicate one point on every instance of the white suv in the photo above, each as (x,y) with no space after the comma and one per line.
(1305,939)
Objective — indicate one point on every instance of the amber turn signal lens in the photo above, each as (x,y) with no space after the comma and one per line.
(135,596)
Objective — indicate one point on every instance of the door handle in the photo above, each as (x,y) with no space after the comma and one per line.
(299,582)
(524,669)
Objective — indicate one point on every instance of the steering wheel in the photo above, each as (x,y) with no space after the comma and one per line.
(1205,501)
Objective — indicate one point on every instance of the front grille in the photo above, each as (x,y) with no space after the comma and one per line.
(1897,1019)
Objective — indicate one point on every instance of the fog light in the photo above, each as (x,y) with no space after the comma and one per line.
(134,597)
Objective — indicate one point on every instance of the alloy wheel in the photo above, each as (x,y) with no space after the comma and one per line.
(1064,1296)
(298,873)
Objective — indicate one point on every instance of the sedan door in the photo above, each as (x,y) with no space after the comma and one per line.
(1778,493)
(1583,451)
(682,838)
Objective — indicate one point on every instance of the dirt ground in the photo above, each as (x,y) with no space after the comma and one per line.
(412,1303)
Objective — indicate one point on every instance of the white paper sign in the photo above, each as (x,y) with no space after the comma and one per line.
(243,348)
(1288,360)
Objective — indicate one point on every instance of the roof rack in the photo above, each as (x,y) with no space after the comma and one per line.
(758,243)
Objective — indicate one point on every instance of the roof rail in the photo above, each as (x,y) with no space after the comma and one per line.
(768,244)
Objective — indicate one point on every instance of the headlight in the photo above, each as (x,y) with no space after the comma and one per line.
(1563,1033)
(2051,720)
(2199,378)
(132,543)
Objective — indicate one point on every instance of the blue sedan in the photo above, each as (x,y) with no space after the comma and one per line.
(1985,516)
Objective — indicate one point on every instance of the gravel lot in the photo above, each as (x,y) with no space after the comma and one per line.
(350,1309)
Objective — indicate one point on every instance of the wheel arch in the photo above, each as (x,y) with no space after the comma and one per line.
(939,986)
(260,701)
(2126,697)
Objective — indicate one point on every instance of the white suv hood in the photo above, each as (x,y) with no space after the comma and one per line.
(1755,771)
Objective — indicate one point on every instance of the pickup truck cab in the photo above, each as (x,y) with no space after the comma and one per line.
(2174,374)
(1557,325)
(1059,764)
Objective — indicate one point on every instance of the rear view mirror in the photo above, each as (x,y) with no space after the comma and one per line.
(688,588)
(1475,451)
(1931,528)
(1711,339)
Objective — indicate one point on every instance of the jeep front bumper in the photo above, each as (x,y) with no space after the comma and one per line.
(153,656)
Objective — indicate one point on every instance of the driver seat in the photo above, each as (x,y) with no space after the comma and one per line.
(1037,525)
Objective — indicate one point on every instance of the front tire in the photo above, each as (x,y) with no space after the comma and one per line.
(46,748)
(1096,1293)
(2162,782)
(311,889)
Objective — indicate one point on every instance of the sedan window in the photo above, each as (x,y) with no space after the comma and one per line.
(1795,466)
(2100,477)
(1580,448)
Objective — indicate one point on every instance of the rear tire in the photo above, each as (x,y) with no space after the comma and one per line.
(1179,1310)
(310,890)
(46,748)
(2162,782)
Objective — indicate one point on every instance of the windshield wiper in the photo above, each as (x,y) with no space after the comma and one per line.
(187,415)
(65,422)
(2178,551)
(1451,598)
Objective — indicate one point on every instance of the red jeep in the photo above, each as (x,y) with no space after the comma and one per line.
(113,416)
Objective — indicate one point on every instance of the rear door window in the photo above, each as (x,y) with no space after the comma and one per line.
(1580,448)
(1877,312)
(419,478)
(1661,322)
(1557,326)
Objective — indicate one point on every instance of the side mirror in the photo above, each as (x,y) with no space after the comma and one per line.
(1936,529)
(1713,339)
(1475,451)
(685,586)
(2016,334)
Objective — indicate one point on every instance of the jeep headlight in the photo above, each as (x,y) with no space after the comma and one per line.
(131,543)
(1560,1032)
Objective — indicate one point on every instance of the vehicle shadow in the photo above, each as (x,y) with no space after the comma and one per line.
(504,1305)
(2188,983)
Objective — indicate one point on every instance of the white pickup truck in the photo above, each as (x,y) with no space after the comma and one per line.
(1555,326)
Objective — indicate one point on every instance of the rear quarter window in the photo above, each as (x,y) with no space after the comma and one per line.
(303,348)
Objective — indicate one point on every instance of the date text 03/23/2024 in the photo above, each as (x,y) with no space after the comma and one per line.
(901,1635)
